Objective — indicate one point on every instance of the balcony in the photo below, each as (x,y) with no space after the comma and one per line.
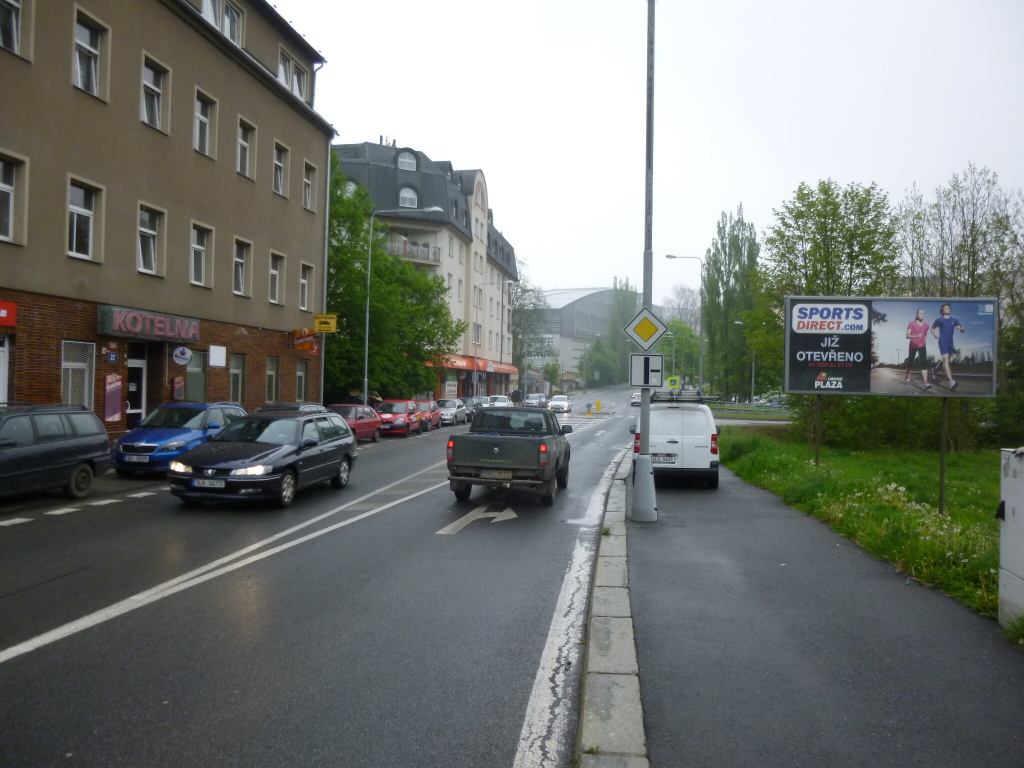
(422,253)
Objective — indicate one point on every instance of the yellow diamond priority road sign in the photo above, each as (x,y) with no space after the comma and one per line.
(645,329)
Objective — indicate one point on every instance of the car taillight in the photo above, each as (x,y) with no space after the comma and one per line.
(543,455)
(636,443)
(714,445)
(451,450)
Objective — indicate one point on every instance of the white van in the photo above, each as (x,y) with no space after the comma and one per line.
(684,438)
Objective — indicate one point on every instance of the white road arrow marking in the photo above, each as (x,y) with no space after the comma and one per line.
(477,514)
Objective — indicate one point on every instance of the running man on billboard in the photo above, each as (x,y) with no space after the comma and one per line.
(917,332)
(942,329)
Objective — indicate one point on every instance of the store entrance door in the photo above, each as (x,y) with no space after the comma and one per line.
(136,390)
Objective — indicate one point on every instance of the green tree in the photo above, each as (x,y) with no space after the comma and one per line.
(553,375)
(410,325)
(599,364)
(625,304)
(528,310)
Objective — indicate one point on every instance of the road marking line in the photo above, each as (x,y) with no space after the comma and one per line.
(209,571)
(103,502)
(141,495)
(63,511)
(16,521)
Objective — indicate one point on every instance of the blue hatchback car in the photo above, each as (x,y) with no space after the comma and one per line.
(169,431)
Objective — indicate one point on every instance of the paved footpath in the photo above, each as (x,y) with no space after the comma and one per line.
(745,633)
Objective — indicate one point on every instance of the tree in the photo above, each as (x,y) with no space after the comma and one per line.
(553,374)
(410,325)
(528,312)
(624,307)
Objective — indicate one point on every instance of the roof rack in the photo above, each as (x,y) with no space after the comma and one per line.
(676,395)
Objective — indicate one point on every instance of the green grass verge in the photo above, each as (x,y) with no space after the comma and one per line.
(887,501)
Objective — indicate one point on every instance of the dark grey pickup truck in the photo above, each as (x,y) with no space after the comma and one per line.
(515,447)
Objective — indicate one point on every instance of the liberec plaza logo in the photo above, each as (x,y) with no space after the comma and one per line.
(824,381)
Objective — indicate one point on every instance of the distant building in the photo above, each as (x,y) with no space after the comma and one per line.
(459,242)
(163,188)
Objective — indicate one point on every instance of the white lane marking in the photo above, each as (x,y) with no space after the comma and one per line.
(141,495)
(477,514)
(548,714)
(62,511)
(16,521)
(207,572)
(103,502)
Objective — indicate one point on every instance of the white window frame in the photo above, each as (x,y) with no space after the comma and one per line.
(204,139)
(246,146)
(155,94)
(236,378)
(407,198)
(273,378)
(84,361)
(241,267)
(309,187)
(79,216)
(10,11)
(200,250)
(149,239)
(300,78)
(280,169)
(8,198)
(88,52)
(462,291)
(306,278)
(284,69)
(301,379)
(406,161)
(277,264)
(231,24)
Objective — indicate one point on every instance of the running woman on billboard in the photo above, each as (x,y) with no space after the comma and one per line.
(917,332)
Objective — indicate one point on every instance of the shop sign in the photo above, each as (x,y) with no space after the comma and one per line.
(140,324)
(112,394)
(8,313)
(182,355)
(303,338)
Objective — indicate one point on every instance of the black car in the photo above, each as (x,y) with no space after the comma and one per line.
(50,446)
(280,405)
(267,455)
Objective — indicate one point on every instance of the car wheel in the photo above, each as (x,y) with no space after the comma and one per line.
(713,480)
(286,495)
(340,480)
(80,481)
(376,436)
(425,426)
(562,475)
(548,491)
(462,492)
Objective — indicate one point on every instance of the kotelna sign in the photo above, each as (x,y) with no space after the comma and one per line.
(141,324)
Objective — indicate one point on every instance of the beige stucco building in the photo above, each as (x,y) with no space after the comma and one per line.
(163,180)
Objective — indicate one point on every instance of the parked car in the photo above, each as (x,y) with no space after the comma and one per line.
(400,417)
(167,432)
(50,446)
(635,398)
(453,411)
(361,419)
(472,404)
(499,401)
(560,403)
(683,440)
(431,414)
(536,399)
(283,405)
(269,455)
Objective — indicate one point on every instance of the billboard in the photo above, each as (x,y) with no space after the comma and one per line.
(910,347)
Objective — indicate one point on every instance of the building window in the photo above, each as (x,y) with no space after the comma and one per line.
(6,199)
(284,70)
(305,284)
(232,24)
(195,377)
(246,135)
(81,220)
(450,283)
(77,372)
(273,373)
(276,273)
(243,252)
(301,379)
(88,48)
(407,198)
(461,290)
(210,10)
(205,125)
(236,378)
(149,239)
(10,25)
(299,80)
(154,83)
(201,238)
(280,169)
(407,161)
(308,187)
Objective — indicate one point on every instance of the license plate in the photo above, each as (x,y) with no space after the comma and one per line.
(385,426)
(663,458)
(496,474)
(136,458)
(202,482)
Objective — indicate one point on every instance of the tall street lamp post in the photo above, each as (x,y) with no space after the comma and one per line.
(369,262)
(700,338)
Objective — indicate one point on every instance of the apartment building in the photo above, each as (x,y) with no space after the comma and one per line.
(163,188)
(440,219)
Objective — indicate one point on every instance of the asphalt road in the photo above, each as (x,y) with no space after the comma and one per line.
(356,628)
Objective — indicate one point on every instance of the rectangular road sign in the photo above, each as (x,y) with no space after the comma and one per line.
(325,323)
(646,370)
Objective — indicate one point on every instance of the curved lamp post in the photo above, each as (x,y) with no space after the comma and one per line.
(369,262)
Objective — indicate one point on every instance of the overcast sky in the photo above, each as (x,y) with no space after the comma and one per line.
(751,98)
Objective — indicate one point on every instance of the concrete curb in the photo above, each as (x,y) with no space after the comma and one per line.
(611,726)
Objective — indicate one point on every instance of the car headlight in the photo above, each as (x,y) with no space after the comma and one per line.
(259,469)
(177,445)
(399,422)
(182,469)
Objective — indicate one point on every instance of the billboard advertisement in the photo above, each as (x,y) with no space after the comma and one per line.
(911,347)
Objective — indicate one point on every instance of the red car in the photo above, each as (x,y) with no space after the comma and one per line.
(361,419)
(431,414)
(400,417)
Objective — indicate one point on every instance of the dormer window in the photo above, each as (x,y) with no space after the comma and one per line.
(407,161)
(408,198)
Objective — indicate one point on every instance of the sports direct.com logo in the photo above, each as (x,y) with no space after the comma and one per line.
(830,318)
